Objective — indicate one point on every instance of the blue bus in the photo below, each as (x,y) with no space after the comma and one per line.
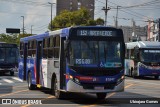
(8,58)
(142,59)
(87,59)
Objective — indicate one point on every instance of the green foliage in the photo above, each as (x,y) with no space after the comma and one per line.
(9,38)
(100,21)
(12,38)
(79,17)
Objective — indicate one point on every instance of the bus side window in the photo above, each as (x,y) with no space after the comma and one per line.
(132,54)
(127,54)
(45,49)
(56,46)
(21,49)
(50,49)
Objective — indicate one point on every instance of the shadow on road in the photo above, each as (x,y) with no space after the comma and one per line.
(88,99)
(5,89)
(144,78)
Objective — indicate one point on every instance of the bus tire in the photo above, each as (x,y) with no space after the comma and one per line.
(12,73)
(101,96)
(57,93)
(156,77)
(29,81)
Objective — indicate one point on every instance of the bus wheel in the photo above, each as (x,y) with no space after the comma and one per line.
(12,73)
(156,77)
(29,80)
(101,96)
(58,94)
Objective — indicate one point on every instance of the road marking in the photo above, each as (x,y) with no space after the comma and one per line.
(110,95)
(82,106)
(15,78)
(115,93)
(144,82)
(129,85)
(51,97)
(13,93)
(7,80)
(0,83)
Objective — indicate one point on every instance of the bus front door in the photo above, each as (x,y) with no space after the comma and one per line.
(25,60)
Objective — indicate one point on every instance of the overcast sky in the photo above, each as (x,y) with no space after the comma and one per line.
(37,13)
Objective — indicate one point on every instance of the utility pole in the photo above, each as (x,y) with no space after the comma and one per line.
(117,16)
(31,29)
(106,10)
(51,14)
(23,24)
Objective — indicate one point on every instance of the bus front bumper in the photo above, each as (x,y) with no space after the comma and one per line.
(74,87)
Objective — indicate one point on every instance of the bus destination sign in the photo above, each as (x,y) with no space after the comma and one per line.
(96,33)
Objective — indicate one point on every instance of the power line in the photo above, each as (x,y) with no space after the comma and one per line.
(6,12)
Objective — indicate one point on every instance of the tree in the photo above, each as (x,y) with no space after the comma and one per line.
(100,21)
(8,38)
(12,38)
(67,19)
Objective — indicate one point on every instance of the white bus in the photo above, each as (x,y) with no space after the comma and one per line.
(142,59)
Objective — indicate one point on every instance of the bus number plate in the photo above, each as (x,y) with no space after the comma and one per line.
(99,88)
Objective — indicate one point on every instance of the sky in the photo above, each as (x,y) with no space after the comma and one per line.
(37,13)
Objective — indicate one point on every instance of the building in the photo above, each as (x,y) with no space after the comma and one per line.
(135,33)
(73,5)
(154,30)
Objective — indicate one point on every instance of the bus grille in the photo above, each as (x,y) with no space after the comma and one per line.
(92,85)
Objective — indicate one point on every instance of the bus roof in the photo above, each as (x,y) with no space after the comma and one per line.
(143,44)
(63,33)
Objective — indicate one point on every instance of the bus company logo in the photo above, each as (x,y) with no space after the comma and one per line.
(6,101)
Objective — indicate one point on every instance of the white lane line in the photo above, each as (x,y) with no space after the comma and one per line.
(0,83)
(144,82)
(15,78)
(7,80)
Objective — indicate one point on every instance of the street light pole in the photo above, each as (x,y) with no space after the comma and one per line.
(31,29)
(23,24)
(51,14)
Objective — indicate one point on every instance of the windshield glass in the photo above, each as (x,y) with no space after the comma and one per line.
(150,55)
(95,54)
(8,55)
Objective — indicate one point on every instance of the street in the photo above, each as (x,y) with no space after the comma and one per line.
(12,87)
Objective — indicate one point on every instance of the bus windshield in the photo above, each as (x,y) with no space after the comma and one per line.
(95,54)
(8,55)
(150,55)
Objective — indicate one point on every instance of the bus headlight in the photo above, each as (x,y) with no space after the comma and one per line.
(120,79)
(71,77)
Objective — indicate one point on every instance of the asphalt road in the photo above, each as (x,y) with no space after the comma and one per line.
(138,89)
